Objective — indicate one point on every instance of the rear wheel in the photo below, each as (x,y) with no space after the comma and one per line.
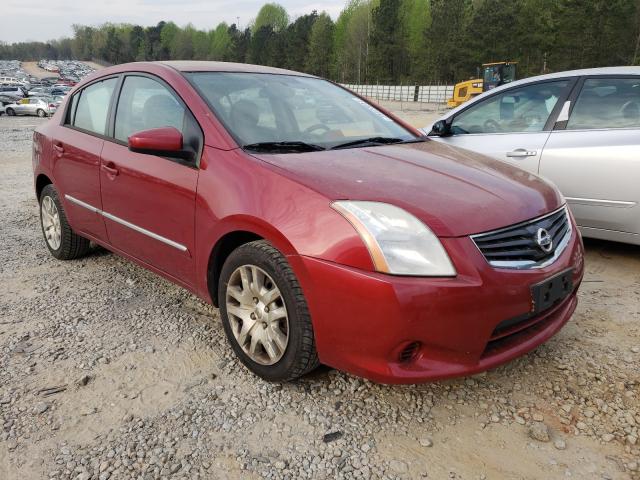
(61,240)
(264,313)
(41,113)
(11,112)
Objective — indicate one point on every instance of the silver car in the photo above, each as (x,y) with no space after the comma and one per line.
(40,106)
(579,129)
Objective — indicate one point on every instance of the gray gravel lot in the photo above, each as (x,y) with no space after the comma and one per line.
(109,371)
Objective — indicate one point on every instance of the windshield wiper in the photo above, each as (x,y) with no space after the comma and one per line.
(372,141)
(283,147)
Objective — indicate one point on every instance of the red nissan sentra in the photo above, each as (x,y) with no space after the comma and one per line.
(326,229)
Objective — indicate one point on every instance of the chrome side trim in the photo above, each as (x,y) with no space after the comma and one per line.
(82,204)
(530,264)
(600,202)
(132,226)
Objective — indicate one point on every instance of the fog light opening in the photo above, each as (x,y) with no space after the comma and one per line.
(409,352)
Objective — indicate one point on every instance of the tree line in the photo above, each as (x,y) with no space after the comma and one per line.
(380,41)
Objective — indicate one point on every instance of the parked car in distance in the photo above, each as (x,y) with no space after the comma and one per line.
(40,106)
(579,129)
(39,92)
(329,232)
(2,108)
(12,91)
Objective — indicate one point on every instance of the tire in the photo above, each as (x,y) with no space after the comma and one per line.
(61,240)
(41,113)
(298,356)
(10,112)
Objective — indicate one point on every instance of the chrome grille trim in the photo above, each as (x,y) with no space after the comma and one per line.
(559,244)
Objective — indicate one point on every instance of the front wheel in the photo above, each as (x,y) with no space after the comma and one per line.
(41,113)
(61,240)
(265,314)
(11,112)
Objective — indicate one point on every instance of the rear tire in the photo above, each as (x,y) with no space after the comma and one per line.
(61,240)
(41,113)
(269,327)
(11,112)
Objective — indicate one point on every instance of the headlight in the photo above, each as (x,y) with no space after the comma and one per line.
(398,242)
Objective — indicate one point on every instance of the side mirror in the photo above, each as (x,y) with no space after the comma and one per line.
(164,141)
(441,129)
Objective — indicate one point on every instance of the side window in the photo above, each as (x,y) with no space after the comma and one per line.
(93,106)
(607,103)
(145,103)
(524,109)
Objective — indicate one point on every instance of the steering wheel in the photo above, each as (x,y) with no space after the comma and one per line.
(317,126)
(491,126)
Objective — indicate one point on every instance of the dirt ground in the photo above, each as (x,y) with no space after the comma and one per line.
(109,371)
(33,69)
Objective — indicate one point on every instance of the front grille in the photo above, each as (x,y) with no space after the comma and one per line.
(530,244)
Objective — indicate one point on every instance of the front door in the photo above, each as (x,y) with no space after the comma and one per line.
(512,125)
(594,157)
(148,200)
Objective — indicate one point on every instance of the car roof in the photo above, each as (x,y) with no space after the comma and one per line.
(193,66)
(548,76)
(204,66)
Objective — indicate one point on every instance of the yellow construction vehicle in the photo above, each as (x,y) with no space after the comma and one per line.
(493,75)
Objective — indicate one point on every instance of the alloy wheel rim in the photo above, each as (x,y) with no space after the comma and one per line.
(257,314)
(51,222)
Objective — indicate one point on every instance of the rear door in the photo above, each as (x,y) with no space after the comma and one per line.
(149,200)
(512,125)
(594,156)
(77,145)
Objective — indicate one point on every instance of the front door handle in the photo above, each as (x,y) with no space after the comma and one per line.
(111,169)
(522,152)
(58,148)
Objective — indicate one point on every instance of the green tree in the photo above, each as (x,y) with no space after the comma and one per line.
(320,46)
(221,43)
(385,60)
(271,15)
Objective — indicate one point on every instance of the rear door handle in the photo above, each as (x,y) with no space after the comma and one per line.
(58,147)
(111,169)
(522,152)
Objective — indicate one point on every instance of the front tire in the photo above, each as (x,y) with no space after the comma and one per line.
(41,113)
(265,314)
(61,240)
(11,112)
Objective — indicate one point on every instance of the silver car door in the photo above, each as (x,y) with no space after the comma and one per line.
(512,125)
(594,156)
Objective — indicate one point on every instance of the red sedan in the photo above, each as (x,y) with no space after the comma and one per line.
(326,229)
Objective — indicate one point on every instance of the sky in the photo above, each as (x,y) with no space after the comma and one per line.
(42,20)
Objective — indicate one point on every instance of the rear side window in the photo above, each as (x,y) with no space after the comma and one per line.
(607,103)
(93,106)
(145,103)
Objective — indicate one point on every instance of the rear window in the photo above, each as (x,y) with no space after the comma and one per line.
(607,103)
(92,106)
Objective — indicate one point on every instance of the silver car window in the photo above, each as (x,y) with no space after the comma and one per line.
(607,103)
(524,109)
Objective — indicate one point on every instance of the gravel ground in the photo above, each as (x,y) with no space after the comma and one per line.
(108,371)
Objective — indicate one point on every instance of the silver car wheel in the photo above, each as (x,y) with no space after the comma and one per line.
(257,314)
(51,222)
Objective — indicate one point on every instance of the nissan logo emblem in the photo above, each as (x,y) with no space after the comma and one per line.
(544,240)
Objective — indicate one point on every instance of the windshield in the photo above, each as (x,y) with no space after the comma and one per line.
(258,108)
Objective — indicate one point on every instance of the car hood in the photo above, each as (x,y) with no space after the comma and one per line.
(454,191)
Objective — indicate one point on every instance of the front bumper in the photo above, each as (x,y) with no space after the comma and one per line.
(394,329)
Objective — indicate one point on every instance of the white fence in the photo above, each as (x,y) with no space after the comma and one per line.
(405,93)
